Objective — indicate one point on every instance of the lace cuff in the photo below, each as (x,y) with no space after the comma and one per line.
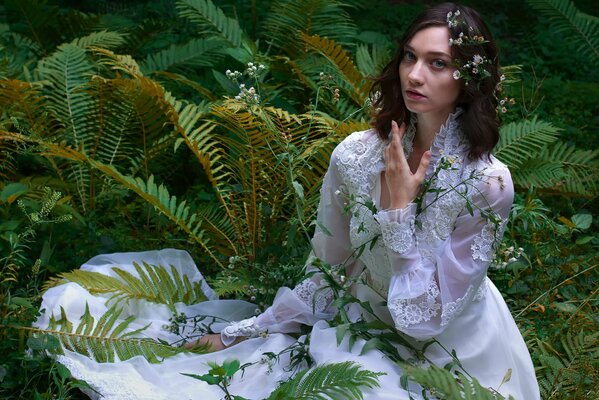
(484,244)
(397,228)
(244,328)
(314,296)
(407,312)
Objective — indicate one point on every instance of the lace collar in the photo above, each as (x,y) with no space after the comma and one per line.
(449,139)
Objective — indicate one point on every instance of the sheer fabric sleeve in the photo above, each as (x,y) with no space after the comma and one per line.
(429,289)
(309,301)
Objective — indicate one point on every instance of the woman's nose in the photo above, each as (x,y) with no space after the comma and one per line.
(415,73)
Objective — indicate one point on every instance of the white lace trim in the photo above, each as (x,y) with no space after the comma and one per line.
(398,236)
(111,386)
(484,244)
(413,311)
(482,290)
(314,296)
(246,328)
(453,308)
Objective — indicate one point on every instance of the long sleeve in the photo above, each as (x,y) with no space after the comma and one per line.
(428,289)
(309,301)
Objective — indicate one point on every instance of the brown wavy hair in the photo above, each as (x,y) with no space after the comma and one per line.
(478,99)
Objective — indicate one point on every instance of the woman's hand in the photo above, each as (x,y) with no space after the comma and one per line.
(403,185)
(213,341)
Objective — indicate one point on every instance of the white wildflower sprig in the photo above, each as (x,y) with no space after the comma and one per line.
(251,95)
(473,70)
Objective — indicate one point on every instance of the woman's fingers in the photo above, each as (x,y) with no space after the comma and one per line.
(424,162)
(395,148)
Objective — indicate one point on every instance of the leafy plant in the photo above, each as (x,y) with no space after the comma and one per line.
(101,340)
(155,284)
(566,19)
(328,381)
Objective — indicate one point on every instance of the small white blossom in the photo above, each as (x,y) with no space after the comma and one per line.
(477,59)
(457,75)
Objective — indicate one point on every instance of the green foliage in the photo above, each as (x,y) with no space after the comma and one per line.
(571,373)
(328,381)
(566,19)
(122,110)
(444,384)
(211,19)
(101,340)
(221,375)
(530,149)
(155,284)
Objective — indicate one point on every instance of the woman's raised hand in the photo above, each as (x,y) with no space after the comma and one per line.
(403,185)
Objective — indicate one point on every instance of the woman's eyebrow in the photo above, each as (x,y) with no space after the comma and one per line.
(433,53)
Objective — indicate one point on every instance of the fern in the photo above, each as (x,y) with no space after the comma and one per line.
(287,19)
(196,53)
(343,380)
(211,18)
(104,39)
(154,283)
(572,373)
(349,76)
(105,341)
(442,383)
(370,60)
(574,25)
(523,140)
(536,158)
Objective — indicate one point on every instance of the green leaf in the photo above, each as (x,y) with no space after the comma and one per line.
(566,307)
(231,367)
(12,191)
(582,221)
(299,190)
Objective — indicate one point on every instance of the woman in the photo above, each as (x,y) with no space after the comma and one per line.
(440,204)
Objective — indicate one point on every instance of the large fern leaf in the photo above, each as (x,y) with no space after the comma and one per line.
(103,340)
(196,53)
(350,77)
(343,380)
(104,39)
(208,16)
(576,26)
(524,140)
(445,385)
(572,372)
(153,283)
(325,18)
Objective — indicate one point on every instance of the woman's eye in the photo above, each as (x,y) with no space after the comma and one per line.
(409,56)
(439,64)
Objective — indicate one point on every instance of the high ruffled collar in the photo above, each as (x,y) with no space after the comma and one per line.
(448,140)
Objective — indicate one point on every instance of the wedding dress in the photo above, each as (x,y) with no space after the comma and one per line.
(425,275)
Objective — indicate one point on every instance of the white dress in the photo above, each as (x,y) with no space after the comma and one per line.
(428,264)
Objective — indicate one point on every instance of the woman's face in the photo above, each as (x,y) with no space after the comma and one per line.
(426,74)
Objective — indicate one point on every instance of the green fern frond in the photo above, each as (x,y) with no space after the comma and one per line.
(571,373)
(574,25)
(338,58)
(344,380)
(105,341)
(103,39)
(580,168)
(68,70)
(524,140)
(560,168)
(370,60)
(153,283)
(208,16)
(325,18)
(197,53)
(443,384)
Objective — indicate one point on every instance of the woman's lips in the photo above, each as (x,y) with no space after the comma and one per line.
(414,95)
